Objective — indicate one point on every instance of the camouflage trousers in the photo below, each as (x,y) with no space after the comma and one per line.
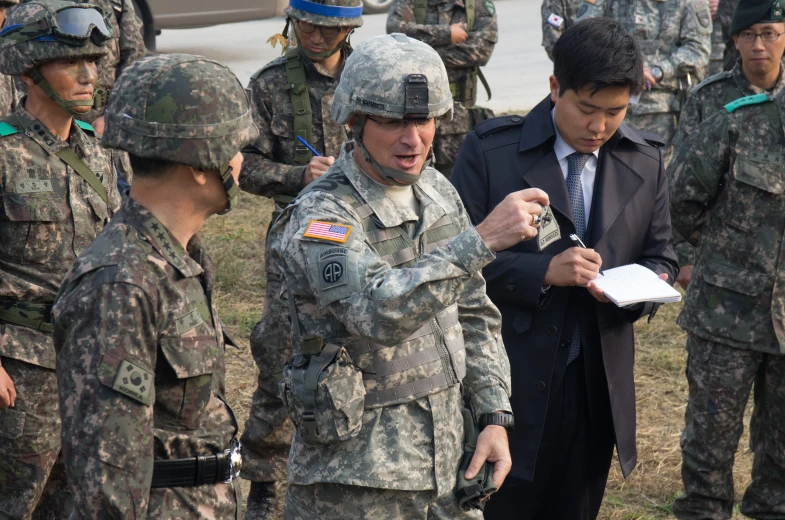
(326,501)
(720,379)
(268,430)
(663,124)
(29,446)
(450,135)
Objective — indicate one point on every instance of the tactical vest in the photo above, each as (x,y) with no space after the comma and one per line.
(433,357)
(38,315)
(464,91)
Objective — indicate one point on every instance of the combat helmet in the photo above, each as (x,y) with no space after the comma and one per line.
(183,109)
(46,30)
(326,13)
(394,77)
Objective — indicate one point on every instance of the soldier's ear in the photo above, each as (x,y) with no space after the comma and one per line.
(199,176)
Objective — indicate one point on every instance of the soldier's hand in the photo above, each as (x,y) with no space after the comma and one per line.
(685,276)
(492,446)
(316,168)
(457,33)
(649,79)
(99,125)
(7,390)
(512,221)
(575,266)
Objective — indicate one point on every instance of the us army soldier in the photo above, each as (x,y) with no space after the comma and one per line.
(381,273)
(675,40)
(59,190)
(147,432)
(464,34)
(727,199)
(7,90)
(557,17)
(278,165)
(757,34)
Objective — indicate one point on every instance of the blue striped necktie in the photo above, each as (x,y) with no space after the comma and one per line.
(576,161)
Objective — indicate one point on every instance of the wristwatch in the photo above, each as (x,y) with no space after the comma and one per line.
(657,73)
(507,420)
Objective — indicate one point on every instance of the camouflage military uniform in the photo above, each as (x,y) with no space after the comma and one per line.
(676,37)
(727,199)
(412,444)
(461,60)
(705,100)
(724,17)
(7,95)
(50,214)
(564,9)
(135,300)
(272,171)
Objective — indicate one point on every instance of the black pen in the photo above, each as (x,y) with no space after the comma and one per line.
(578,242)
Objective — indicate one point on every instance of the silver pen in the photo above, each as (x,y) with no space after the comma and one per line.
(578,242)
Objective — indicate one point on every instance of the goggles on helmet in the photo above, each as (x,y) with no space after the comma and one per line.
(73,25)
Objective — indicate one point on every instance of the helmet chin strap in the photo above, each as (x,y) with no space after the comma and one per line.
(345,44)
(391,175)
(50,92)
(231,187)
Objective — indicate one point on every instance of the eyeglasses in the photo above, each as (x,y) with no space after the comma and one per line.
(399,125)
(766,36)
(328,33)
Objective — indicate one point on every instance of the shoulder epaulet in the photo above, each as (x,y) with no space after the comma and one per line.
(651,138)
(85,126)
(496,124)
(9,126)
(747,100)
(712,79)
(280,60)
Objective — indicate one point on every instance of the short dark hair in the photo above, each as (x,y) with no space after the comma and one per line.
(145,167)
(597,53)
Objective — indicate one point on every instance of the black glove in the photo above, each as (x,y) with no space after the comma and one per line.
(262,502)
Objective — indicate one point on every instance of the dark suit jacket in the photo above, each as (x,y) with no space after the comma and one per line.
(629,223)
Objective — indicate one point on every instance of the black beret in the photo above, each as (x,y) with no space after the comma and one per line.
(750,12)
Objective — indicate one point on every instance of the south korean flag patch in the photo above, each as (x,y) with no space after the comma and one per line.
(556,21)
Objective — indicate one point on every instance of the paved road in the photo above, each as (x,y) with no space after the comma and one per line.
(517,72)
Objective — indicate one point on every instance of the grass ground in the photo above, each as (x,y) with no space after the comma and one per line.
(236,242)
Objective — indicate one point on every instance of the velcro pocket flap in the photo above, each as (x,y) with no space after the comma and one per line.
(766,176)
(12,424)
(35,207)
(191,357)
(283,126)
(734,279)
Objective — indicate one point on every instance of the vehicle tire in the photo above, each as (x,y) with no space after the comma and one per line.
(148,28)
(376,6)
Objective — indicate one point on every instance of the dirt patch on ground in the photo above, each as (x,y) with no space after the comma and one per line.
(236,243)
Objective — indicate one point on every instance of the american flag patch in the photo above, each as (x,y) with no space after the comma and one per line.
(327,231)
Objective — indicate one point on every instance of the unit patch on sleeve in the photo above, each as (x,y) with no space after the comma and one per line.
(134,381)
(328,231)
(332,268)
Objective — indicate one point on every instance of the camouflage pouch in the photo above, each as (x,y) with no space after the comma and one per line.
(472,494)
(324,395)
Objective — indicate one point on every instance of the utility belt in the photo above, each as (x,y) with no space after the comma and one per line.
(465,89)
(198,471)
(37,316)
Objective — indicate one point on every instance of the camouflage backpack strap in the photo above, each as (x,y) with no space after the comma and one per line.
(301,106)
(471,12)
(69,157)
(420,9)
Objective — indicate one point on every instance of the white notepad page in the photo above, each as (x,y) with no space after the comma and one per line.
(633,283)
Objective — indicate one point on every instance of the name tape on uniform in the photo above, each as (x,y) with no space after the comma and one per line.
(328,231)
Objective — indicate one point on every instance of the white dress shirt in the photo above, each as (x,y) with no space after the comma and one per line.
(589,173)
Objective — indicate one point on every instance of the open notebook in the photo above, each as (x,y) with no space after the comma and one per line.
(631,284)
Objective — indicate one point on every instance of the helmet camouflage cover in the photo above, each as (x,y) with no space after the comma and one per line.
(377,74)
(328,13)
(20,53)
(180,108)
